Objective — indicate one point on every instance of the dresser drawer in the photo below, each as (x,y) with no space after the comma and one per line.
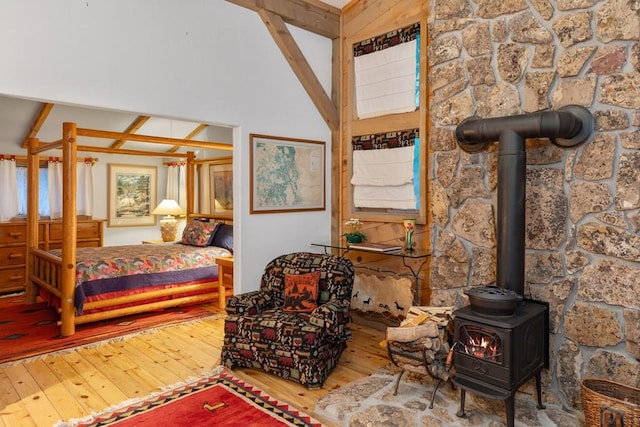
(13,277)
(14,233)
(88,244)
(16,255)
(85,230)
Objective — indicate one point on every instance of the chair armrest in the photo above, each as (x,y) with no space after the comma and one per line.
(250,303)
(334,318)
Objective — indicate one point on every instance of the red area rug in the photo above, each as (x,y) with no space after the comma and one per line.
(221,400)
(32,330)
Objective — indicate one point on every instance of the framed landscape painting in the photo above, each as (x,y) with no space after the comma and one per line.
(221,176)
(287,174)
(132,195)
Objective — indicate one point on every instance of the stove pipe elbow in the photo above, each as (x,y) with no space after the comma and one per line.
(568,127)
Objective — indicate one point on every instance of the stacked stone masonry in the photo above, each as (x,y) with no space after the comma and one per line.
(492,58)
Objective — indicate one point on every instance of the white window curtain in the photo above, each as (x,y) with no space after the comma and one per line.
(54,172)
(50,189)
(386,81)
(84,194)
(177,184)
(8,189)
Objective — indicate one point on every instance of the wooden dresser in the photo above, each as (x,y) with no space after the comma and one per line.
(13,246)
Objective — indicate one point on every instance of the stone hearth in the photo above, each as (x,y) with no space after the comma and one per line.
(370,402)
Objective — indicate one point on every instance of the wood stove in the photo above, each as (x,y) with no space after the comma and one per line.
(501,340)
(495,355)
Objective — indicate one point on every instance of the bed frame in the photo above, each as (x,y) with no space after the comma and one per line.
(57,275)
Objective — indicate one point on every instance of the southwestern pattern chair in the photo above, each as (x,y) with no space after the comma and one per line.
(302,346)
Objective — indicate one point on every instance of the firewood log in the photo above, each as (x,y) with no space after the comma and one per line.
(436,344)
(406,334)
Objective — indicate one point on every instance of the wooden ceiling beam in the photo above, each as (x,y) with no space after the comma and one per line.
(37,123)
(133,128)
(95,133)
(107,150)
(191,135)
(294,56)
(312,15)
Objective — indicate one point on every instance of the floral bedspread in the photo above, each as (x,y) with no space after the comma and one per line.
(116,268)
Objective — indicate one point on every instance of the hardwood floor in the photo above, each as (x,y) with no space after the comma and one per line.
(76,383)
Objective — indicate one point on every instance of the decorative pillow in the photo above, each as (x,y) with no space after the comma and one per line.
(301,292)
(223,237)
(199,233)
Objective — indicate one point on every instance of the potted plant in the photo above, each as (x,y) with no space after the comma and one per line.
(354,235)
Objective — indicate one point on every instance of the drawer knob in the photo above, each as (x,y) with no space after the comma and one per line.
(16,277)
(14,256)
(15,235)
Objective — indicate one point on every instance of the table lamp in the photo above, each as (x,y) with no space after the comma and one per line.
(168,224)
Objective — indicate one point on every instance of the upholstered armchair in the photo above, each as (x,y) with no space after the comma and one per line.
(284,328)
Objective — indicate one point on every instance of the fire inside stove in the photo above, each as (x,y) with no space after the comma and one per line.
(481,343)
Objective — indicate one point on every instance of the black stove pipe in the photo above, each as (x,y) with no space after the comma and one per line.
(568,127)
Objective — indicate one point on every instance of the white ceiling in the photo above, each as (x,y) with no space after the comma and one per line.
(17,117)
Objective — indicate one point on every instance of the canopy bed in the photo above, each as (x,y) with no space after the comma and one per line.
(90,284)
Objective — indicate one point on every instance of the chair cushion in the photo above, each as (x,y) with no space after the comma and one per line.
(271,328)
(199,233)
(301,292)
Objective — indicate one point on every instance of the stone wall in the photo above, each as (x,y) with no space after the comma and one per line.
(493,58)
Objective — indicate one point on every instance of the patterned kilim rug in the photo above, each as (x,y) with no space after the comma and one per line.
(219,400)
(32,330)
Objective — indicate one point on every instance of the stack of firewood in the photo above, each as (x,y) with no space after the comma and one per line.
(425,330)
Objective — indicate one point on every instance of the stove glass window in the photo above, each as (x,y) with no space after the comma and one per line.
(480,342)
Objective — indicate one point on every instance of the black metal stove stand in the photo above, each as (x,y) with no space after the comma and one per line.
(434,364)
(521,352)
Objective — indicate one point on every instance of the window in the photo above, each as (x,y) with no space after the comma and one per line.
(43,199)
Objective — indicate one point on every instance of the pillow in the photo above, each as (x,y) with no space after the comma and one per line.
(223,237)
(301,292)
(199,233)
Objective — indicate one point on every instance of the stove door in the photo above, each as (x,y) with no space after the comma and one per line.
(483,352)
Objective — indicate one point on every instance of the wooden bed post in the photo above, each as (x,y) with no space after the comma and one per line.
(190,183)
(69,228)
(33,172)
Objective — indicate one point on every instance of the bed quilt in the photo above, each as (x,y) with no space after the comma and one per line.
(110,269)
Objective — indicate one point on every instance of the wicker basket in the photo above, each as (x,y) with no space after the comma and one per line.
(607,403)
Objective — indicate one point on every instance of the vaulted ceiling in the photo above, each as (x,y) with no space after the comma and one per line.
(21,119)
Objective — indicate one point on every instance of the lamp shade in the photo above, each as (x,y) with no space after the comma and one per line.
(168,207)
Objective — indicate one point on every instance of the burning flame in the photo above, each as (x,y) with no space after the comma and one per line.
(482,344)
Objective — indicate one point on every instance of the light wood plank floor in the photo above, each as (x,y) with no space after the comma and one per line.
(76,383)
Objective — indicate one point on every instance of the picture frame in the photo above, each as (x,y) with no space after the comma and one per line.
(221,177)
(286,174)
(131,195)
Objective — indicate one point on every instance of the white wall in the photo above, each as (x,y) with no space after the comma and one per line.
(201,60)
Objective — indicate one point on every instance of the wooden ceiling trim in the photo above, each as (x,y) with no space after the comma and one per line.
(191,135)
(37,123)
(217,161)
(95,133)
(133,128)
(294,56)
(92,149)
(312,15)
(44,146)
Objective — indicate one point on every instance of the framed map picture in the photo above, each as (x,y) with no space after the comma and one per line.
(287,174)
(132,195)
